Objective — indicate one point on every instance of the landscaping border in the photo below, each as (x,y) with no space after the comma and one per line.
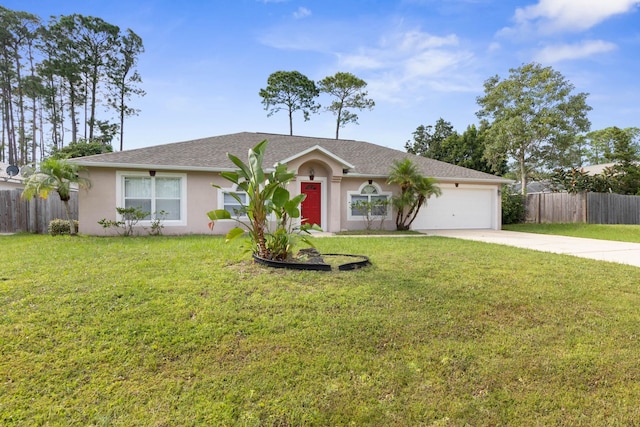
(363,261)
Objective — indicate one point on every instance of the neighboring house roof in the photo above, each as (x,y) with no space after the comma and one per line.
(596,169)
(210,154)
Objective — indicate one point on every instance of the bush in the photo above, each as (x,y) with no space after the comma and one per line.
(512,207)
(58,227)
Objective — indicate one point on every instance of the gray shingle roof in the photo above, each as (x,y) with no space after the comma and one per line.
(211,154)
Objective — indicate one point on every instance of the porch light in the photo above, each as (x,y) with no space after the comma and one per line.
(152,173)
(370,181)
(312,173)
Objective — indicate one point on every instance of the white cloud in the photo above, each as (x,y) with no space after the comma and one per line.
(494,47)
(557,53)
(551,16)
(302,12)
(360,61)
(404,63)
(401,49)
(416,40)
(400,64)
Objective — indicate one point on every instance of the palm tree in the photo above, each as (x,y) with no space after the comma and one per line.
(56,175)
(415,189)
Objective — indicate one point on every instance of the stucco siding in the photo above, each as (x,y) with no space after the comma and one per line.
(353,184)
(100,202)
(97,202)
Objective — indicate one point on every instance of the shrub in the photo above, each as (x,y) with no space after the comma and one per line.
(130,218)
(371,211)
(513,211)
(58,227)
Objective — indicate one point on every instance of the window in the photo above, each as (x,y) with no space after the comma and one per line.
(164,193)
(368,197)
(232,206)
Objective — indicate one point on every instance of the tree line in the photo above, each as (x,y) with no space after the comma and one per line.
(57,80)
(533,126)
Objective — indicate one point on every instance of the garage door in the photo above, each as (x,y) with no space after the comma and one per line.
(459,208)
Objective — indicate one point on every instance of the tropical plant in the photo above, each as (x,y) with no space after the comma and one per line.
(576,180)
(415,190)
(267,197)
(56,175)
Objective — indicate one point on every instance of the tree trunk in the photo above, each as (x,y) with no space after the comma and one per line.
(94,91)
(338,123)
(67,209)
(122,117)
(72,107)
(523,177)
(22,137)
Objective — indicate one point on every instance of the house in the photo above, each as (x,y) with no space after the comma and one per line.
(176,178)
(10,177)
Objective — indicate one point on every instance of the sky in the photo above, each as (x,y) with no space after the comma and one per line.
(205,61)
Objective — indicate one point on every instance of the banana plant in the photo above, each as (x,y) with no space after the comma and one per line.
(267,198)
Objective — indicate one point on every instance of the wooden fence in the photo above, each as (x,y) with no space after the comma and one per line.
(592,208)
(18,215)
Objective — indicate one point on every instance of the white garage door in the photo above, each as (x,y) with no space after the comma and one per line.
(459,208)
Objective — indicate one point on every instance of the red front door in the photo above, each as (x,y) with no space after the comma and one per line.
(312,204)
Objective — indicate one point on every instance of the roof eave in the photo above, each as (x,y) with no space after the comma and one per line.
(496,180)
(153,167)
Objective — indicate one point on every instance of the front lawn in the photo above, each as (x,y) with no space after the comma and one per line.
(185,331)
(617,232)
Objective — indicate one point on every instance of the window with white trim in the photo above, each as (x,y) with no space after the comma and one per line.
(162,193)
(231,204)
(369,195)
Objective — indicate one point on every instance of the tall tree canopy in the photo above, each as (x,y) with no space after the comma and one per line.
(61,82)
(626,156)
(290,91)
(533,116)
(80,149)
(427,140)
(348,93)
(467,150)
(600,143)
(124,78)
(18,31)
(442,142)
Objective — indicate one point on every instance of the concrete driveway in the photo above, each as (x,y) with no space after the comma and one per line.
(603,250)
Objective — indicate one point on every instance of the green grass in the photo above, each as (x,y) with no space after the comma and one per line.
(164,331)
(617,232)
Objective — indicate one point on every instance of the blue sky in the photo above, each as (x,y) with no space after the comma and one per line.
(205,61)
